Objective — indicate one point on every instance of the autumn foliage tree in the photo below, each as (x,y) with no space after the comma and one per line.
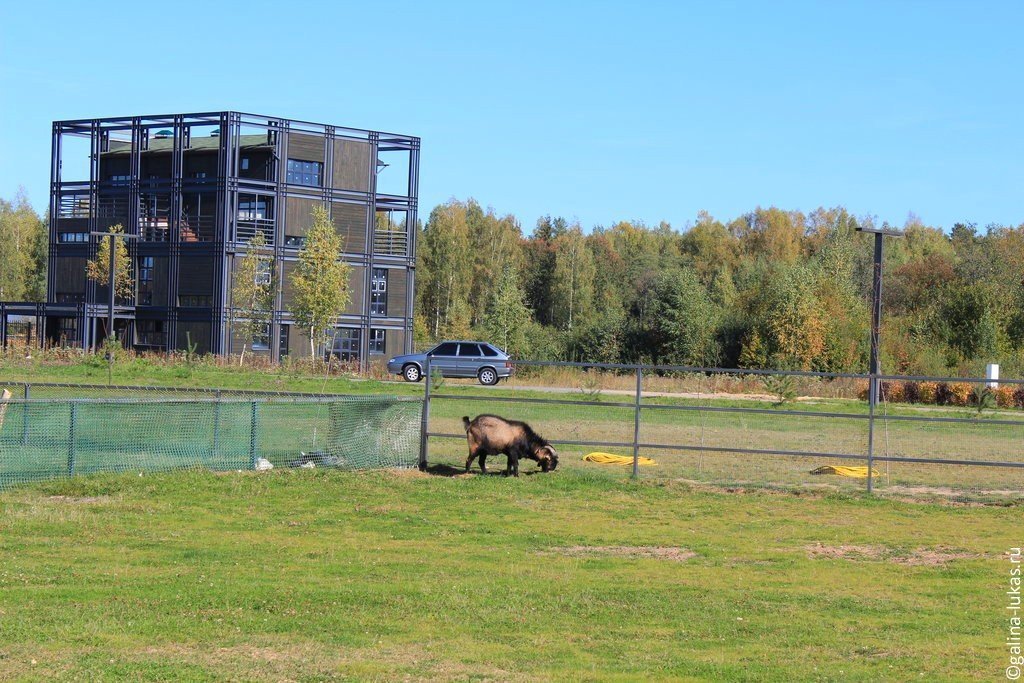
(320,281)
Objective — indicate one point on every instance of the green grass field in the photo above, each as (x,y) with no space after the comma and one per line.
(314,575)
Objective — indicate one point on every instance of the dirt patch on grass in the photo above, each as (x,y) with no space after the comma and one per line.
(633,551)
(311,660)
(921,557)
(899,491)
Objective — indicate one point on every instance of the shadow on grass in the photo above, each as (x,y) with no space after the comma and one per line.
(443,470)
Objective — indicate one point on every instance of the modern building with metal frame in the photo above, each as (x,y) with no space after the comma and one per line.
(193,190)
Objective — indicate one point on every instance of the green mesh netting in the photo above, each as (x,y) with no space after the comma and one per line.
(44,439)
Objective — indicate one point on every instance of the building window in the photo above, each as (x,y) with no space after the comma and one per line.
(198,174)
(146,270)
(120,179)
(282,339)
(304,172)
(252,209)
(377,342)
(195,301)
(73,237)
(261,341)
(346,344)
(145,281)
(70,297)
(149,332)
(245,163)
(263,272)
(379,292)
(294,241)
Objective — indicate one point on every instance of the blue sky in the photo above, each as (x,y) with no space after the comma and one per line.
(596,111)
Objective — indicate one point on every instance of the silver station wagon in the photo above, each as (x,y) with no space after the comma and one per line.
(484,361)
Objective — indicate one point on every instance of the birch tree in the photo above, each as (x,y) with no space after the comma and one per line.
(320,281)
(98,269)
(252,293)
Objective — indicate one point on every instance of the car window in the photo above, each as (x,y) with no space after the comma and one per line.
(469,350)
(489,350)
(446,349)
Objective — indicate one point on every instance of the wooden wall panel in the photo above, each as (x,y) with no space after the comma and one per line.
(394,343)
(352,165)
(350,222)
(199,333)
(195,275)
(287,288)
(70,275)
(159,284)
(306,147)
(398,280)
(357,289)
(299,215)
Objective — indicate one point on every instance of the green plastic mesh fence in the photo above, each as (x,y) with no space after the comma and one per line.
(45,439)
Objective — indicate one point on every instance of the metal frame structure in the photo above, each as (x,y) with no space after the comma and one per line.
(639,406)
(84,205)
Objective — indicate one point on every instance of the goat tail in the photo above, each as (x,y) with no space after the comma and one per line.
(465,422)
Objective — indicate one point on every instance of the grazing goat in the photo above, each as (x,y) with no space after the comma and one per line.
(491,435)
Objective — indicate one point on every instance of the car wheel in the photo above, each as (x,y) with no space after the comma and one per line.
(411,373)
(488,377)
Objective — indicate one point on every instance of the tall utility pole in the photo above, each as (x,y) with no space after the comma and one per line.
(874,369)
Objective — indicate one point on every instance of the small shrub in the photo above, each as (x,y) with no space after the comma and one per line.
(960,393)
(911,392)
(863,390)
(983,398)
(782,386)
(1004,396)
(928,392)
(1018,396)
(892,392)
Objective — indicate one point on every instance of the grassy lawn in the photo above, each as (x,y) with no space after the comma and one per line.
(312,575)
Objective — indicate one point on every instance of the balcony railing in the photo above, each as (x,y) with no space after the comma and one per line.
(390,243)
(246,229)
(193,228)
(196,228)
(150,338)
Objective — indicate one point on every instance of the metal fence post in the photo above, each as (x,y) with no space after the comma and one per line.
(216,426)
(24,416)
(636,422)
(425,418)
(71,439)
(254,425)
(872,392)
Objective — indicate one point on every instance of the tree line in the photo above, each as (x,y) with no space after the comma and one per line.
(768,289)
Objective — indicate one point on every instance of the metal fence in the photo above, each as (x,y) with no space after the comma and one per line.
(705,435)
(145,429)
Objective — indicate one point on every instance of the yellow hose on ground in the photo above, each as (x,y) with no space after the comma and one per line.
(610,459)
(845,471)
